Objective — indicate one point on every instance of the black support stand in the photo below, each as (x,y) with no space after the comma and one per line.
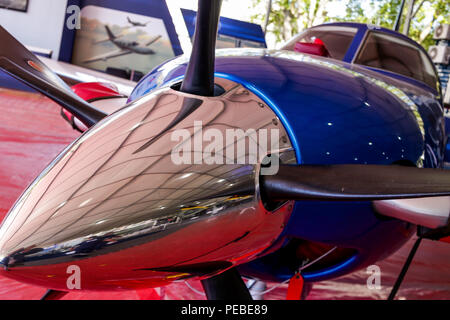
(404,269)
(226,286)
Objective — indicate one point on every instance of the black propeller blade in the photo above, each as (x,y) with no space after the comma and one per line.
(20,63)
(354,182)
(199,80)
(199,76)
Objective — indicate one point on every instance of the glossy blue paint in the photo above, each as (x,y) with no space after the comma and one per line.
(335,112)
(447,134)
(229,27)
(330,271)
(354,46)
(343,224)
(270,270)
(325,104)
(406,79)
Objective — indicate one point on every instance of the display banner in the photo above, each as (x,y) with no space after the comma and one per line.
(112,35)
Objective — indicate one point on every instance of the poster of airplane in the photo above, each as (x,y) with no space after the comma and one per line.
(137,23)
(20,5)
(115,39)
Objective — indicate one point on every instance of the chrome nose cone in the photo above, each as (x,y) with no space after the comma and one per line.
(120,212)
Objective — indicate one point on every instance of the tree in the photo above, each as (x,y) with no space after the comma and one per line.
(422,30)
(420,17)
(420,20)
(288,17)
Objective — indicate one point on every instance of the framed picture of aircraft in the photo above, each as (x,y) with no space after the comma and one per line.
(19,5)
(110,39)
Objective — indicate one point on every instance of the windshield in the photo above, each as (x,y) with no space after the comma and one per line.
(337,40)
(383,51)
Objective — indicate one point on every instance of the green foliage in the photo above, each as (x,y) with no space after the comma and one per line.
(385,12)
(427,14)
(288,17)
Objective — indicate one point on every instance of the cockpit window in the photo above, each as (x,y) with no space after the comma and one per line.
(337,40)
(391,53)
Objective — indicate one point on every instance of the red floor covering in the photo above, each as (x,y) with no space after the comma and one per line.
(32,133)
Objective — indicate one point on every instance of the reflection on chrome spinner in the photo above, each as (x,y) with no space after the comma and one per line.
(134,219)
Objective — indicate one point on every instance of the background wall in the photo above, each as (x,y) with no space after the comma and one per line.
(40,27)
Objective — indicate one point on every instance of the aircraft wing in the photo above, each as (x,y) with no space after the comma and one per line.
(431,213)
(108,55)
(73,74)
(153,40)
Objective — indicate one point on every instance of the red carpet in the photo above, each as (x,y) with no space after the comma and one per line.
(32,133)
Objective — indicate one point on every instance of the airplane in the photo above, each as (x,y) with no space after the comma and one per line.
(125,48)
(108,39)
(359,152)
(136,23)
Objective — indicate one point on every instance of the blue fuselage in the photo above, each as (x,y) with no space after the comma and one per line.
(335,113)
